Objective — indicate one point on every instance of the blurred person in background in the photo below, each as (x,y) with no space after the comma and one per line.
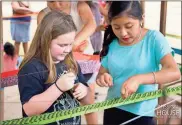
(82,17)
(20,26)
(9,58)
(96,37)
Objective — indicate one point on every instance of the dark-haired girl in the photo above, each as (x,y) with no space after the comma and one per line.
(131,57)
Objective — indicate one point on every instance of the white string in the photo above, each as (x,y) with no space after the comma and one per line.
(124,123)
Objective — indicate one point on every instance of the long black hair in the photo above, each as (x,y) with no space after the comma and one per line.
(117,8)
(9,49)
(108,38)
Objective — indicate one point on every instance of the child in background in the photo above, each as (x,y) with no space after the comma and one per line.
(82,17)
(96,37)
(9,58)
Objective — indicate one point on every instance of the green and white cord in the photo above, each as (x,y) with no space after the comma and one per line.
(65,114)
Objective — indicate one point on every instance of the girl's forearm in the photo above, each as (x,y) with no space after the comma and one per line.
(38,104)
(22,10)
(85,33)
(165,75)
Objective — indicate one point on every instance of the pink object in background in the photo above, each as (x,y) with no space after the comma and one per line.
(90,66)
(9,64)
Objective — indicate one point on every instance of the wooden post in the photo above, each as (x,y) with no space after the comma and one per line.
(1,54)
(143,9)
(163,16)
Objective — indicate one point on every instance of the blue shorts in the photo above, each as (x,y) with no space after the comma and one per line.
(20,30)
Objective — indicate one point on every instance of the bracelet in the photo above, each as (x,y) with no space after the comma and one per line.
(154,75)
(59,88)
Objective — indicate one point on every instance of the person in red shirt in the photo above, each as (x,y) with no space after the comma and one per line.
(9,58)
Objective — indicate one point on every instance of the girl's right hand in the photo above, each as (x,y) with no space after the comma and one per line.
(105,80)
(66,81)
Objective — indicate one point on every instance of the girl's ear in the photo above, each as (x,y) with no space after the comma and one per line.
(143,16)
(142,21)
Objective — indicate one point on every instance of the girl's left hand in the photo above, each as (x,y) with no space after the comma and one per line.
(80,91)
(130,86)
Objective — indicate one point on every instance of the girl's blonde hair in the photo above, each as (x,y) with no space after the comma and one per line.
(52,25)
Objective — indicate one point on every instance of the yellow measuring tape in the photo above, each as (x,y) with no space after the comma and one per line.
(64,114)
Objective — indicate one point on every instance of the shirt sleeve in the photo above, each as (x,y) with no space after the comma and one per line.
(161,47)
(80,77)
(104,62)
(29,83)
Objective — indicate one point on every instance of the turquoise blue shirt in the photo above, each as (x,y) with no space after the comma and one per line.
(122,62)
